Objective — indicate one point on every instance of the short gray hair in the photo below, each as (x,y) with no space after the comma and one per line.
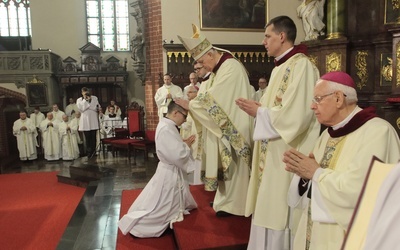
(351,93)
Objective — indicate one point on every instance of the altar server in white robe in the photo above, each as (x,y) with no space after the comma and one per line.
(166,197)
(110,123)
(89,122)
(166,94)
(51,139)
(283,120)
(69,143)
(333,174)
(25,131)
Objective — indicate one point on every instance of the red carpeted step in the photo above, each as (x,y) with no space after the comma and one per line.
(201,229)
(166,241)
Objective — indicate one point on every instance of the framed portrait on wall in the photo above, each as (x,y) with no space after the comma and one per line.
(233,15)
(392,11)
(37,94)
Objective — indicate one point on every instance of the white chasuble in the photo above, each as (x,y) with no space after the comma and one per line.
(227,134)
(287,98)
(26,139)
(69,142)
(51,139)
(338,189)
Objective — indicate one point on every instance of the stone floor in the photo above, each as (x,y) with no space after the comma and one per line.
(94,223)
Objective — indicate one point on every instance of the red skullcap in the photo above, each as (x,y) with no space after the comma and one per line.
(339,77)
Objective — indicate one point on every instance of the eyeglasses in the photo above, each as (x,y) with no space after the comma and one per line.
(197,69)
(184,116)
(318,99)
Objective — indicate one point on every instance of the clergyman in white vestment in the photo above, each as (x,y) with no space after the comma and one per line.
(227,130)
(165,94)
(188,129)
(69,142)
(283,120)
(25,131)
(51,139)
(333,174)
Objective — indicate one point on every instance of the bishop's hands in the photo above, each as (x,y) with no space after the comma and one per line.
(300,164)
(190,140)
(182,102)
(248,106)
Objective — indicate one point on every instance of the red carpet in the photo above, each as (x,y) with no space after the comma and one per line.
(35,210)
(201,229)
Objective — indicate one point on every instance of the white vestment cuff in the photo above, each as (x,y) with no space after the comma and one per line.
(294,199)
(319,212)
(263,129)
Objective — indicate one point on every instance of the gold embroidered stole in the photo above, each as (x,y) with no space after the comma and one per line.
(332,152)
(228,129)
(263,144)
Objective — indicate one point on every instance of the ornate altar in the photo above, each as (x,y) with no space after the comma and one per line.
(365,43)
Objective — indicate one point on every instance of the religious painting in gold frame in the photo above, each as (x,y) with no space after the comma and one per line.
(392,11)
(37,94)
(233,15)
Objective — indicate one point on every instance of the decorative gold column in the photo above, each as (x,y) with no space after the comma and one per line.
(336,19)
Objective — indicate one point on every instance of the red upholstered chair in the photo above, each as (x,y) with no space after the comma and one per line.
(135,122)
(120,133)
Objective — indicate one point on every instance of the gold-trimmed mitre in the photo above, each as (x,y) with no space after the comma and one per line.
(197,45)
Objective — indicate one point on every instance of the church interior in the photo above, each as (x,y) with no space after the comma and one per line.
(60,53)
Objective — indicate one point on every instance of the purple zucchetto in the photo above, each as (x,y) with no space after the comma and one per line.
(339,77)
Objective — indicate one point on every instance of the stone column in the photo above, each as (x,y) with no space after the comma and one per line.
(336,19)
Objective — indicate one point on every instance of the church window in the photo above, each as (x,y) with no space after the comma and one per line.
(108,24)
(15,19)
